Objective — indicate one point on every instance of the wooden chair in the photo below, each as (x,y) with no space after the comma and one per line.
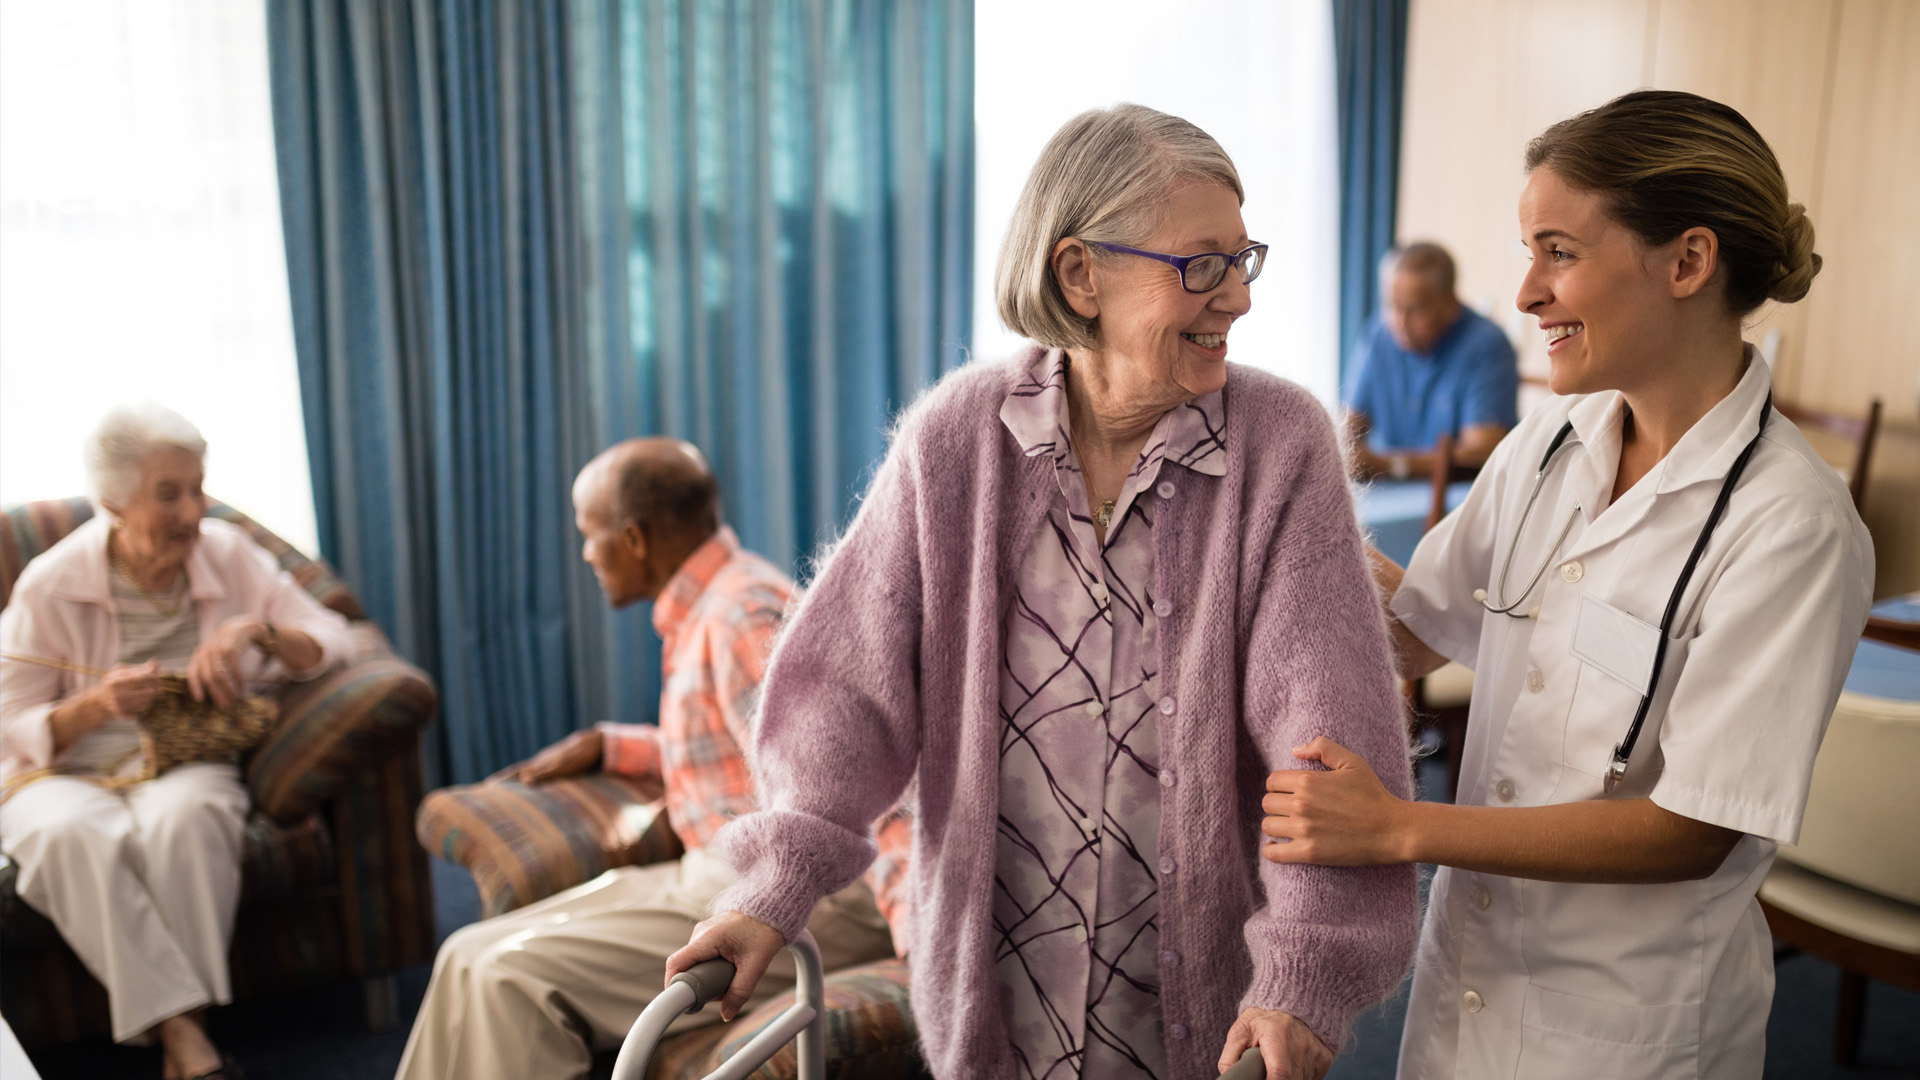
(1893,631)
(1441,700)
(1860,431)
(1849,892)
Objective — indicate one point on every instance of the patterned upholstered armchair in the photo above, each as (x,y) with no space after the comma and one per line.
(333,886)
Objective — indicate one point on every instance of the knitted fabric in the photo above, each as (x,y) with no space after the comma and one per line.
(889,673)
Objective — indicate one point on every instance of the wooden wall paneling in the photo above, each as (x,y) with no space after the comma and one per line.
(1461,141)
(1868,231)
(1770,60)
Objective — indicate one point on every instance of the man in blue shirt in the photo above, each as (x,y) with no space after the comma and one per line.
(1427,366)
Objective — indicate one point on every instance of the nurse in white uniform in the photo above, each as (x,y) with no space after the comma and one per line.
(1581,925)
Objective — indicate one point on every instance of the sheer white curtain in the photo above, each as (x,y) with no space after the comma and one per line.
(141,254)
(1255,74)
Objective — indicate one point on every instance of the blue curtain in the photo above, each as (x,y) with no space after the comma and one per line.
(1370,64)
(519,232)
(783,199)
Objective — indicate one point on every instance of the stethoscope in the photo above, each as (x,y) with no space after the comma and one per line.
(1499,605)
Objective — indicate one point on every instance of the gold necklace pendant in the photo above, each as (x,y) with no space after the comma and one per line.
(1104,513)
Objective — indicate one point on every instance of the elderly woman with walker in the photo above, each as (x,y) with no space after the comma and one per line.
(1659,586)
(1091,598)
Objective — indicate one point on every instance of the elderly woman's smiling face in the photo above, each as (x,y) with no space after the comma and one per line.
(1150,328)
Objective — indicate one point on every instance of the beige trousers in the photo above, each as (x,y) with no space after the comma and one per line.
(142,883)
(530,995)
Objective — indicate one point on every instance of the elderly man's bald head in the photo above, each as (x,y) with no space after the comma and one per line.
(662,485)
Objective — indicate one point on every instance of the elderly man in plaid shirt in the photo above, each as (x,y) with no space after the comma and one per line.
(534,992)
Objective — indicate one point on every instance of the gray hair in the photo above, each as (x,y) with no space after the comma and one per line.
(1422,258)
(119,446)
(1104,177)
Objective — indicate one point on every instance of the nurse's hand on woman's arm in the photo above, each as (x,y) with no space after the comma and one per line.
(1344,817)
(1412,658)
(1290,1049)
(746,941)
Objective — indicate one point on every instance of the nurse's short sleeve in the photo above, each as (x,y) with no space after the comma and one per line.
(1771,647)
(1435,600)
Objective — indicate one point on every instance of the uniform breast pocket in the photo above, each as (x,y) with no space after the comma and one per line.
(1564,1035)
(1615,651)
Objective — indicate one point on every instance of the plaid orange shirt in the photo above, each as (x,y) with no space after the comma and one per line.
(717,618)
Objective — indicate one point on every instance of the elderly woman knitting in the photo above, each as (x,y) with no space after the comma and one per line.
(142,879)
(1092,596)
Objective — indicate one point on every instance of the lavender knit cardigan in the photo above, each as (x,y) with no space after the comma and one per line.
(889,670)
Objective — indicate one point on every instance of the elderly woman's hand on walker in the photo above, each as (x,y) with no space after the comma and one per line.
(1290,1049)
(742,939)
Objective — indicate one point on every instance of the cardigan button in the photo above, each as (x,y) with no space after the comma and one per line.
(1166,705)
(1163,607)
(1166,778)
(1167,865)
(1176,1031)
(1169,958)
(1166,489)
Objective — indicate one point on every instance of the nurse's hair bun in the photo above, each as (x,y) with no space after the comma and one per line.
(1665,162)
(1793,275)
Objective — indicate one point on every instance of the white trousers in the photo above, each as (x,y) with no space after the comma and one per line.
(533,993)
(142,883)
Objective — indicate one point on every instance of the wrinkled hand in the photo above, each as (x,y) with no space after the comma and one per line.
(571,756)
(1341,817)
(128,690)
(1291,1050)
(749,943)
(214,670)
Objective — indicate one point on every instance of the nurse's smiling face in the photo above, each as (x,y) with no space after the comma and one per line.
(1604,299)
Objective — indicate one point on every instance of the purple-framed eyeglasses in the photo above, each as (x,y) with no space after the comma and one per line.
(1204,272)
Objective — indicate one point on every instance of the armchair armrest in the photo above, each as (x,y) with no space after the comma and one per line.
(337,726)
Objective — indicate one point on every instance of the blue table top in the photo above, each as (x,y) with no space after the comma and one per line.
(1395,512)
(1882,670)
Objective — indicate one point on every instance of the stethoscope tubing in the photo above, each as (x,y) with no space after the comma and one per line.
(1498,605)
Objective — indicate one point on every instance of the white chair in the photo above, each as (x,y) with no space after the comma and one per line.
(1850,892)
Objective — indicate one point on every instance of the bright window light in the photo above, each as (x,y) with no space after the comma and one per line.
(1257,75)
(141,253)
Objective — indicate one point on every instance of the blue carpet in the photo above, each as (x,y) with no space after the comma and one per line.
(322,1035)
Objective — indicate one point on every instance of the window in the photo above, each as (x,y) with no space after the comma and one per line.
(141,253)
(1255,74)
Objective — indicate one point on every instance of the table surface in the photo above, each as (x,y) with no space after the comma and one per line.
(1888,671)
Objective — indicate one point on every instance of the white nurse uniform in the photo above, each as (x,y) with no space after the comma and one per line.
(1535,979)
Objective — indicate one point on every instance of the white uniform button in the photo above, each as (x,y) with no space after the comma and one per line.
(1086,824)
(1472,1001)
(1163,607)
(1536,682)
(1573,571)
(1166,777)
(1167,865)
(1482,897)
(1080,934)
(1093,708)
(1176,1032)
(1166,705)
(1504,789)
(1099,592)
(1165,489)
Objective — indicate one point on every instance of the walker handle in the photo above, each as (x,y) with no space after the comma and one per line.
(708,980)
(1251,1066)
